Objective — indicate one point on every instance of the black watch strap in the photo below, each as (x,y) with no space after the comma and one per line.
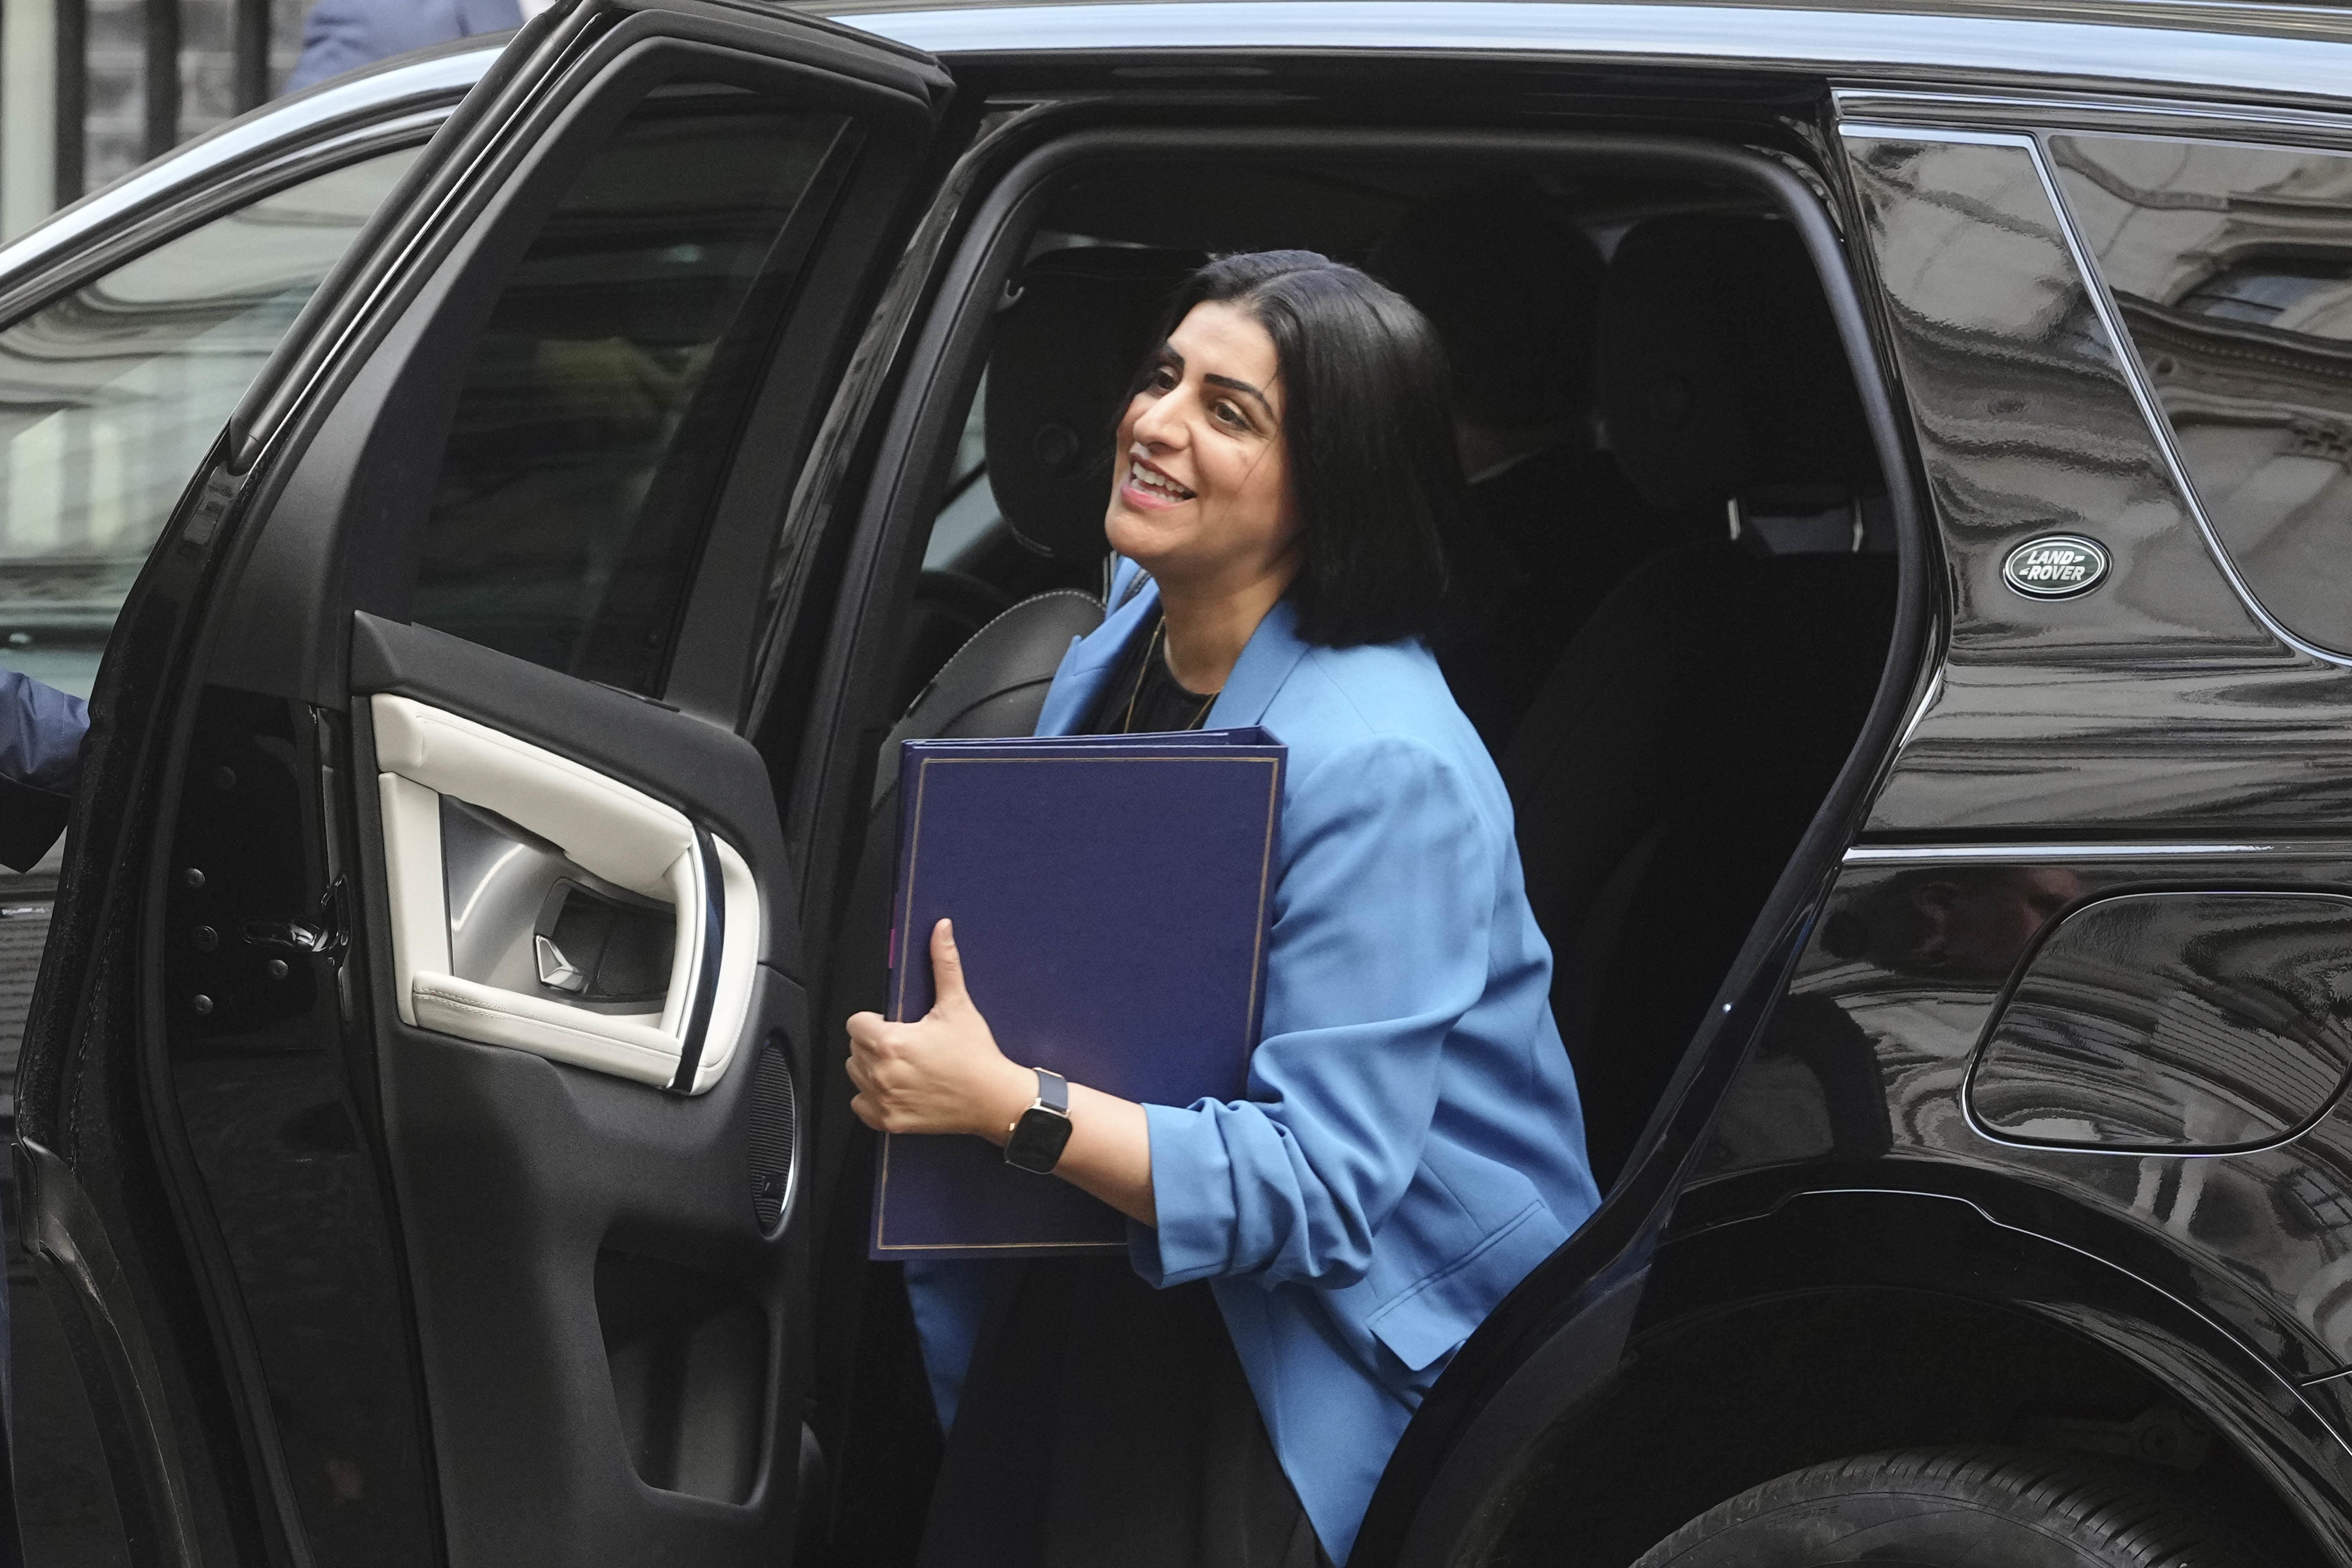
(1036,1139)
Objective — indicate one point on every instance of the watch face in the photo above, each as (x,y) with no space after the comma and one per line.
(1038,1140)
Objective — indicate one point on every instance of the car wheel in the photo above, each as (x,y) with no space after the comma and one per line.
(1951,1508)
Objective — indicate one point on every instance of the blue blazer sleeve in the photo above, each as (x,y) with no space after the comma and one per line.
(41,731)
(1380,943)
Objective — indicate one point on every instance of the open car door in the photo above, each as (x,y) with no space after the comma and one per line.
(407,1115)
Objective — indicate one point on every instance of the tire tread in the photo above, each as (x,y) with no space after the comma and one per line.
(2109,1510)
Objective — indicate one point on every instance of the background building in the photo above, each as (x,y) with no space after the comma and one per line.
(89,89)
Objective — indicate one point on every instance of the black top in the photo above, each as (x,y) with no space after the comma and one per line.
(1147,698)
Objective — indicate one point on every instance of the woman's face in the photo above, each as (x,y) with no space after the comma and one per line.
(1203,492)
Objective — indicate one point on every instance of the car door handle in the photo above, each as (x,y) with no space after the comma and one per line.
(567,976)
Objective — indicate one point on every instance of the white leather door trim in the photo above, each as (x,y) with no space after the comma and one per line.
(620,834)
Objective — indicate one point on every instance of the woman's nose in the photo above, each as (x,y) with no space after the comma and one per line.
(1160,425)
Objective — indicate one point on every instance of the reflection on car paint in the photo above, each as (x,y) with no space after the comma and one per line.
(2173,1022)
(1867,1058)
(2158,703)
(2232,268)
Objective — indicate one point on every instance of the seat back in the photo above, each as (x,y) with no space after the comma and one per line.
(1684,741)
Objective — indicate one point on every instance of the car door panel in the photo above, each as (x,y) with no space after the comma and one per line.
(461,1091)
(588,1243)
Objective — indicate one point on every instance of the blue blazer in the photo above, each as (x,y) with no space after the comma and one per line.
(1411,1144)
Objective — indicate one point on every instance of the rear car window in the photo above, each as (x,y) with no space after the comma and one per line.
(2232,268)
(112,393)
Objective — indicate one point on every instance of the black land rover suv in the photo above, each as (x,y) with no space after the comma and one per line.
(1927,696)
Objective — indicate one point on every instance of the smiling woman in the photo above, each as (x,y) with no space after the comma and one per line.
(1302,1263)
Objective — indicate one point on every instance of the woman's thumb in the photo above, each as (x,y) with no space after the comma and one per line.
(947,965)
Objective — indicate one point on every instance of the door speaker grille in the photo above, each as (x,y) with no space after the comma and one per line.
(775,1126)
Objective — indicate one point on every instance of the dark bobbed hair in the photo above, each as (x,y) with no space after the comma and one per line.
(1367,419)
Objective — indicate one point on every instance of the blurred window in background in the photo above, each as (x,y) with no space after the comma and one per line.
(112,393)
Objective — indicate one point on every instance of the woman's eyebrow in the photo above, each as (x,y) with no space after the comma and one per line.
(1230,385)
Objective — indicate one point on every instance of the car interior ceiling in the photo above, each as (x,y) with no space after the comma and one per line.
(1670,635)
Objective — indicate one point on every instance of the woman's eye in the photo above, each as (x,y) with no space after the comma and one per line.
(1163,380)
(1232,417)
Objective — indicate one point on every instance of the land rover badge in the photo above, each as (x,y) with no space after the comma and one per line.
(2055,566)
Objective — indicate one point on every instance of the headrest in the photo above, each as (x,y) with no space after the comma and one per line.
(1721,370)
(1068,343)
(1512,288)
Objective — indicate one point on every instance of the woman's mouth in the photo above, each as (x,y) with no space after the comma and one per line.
(1154,488)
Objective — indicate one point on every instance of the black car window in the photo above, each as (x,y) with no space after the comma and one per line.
(2232,269)
(111,395)
(611,379)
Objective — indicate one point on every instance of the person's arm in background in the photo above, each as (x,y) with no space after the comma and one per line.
(341,35)
(41,731)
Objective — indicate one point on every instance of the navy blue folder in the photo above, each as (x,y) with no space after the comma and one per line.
(1110,897)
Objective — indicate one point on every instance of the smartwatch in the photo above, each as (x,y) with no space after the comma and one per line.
(1043,1130)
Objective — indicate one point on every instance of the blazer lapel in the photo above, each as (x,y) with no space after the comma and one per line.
(1093,658)
(1273,651)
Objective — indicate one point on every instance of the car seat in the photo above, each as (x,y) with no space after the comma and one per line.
(1683,741)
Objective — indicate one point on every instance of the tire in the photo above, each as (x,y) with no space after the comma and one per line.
(1952,1507)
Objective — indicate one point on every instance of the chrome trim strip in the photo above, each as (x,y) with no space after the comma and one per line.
(2080,111)
(2256,65)
(1860,128)
(2006,854)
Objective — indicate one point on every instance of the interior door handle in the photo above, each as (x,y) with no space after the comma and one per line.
(639,960)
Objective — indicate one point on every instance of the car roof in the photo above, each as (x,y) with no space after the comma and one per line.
(2251,18)
(2268,55)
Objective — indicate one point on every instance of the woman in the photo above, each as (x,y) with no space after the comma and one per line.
(1411,1145)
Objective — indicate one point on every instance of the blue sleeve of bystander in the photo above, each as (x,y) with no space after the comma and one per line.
(41,731)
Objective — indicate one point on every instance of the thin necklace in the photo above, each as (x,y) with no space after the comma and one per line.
(1151,649)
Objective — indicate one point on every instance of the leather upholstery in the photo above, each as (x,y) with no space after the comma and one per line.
(1068,348)
(1679,748)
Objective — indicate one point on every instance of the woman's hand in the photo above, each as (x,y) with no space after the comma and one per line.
(942,1073)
